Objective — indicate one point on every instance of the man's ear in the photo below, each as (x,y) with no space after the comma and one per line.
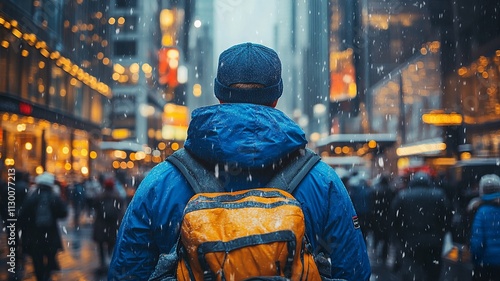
(273,105)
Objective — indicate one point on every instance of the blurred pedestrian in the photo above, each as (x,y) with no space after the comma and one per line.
(485,233)
(38,216)
(92,189)
(77,194)
(361,194)
(421,217)
(15,189)
(382,199)
(108,215)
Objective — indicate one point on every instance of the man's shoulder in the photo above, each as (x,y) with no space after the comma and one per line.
(162,178)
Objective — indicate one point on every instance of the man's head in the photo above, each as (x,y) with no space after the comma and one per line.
(249,73)
(489,184)
(420,179)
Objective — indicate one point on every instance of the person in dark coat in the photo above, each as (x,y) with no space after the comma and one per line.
(108,215)
(421,217)
(361,194)
(383,196)
(41,238)
(485,232)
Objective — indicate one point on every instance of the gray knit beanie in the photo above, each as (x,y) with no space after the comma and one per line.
(489,184)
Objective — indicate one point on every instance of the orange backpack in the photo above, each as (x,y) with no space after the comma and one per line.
(254,234)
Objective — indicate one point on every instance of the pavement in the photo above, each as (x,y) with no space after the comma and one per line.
(79,261)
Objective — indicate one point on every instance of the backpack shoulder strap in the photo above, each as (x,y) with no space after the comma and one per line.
(202,180)
(294,172)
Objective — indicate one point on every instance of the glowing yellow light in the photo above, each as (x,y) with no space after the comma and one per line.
(49,149)
(134,68)
(67,166)
(140,155)
(174,146)
(21,127)
(372,144)
(84,170)
(28,146)
(65,150)
(166,18)
(465,155)
(39,170)
(93,155)
(197,90)
(162,146)
(442,119)
(346,149)
(462,71)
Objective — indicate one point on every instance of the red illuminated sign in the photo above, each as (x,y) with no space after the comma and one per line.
(168,62)
(25,108)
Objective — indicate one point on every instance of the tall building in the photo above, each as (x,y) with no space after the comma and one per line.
(202,66)
(149,52)
(54,83)
(423,70)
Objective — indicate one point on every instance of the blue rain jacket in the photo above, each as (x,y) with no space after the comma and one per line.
(485,232)
(245,140)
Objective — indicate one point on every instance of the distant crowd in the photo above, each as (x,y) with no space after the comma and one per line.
(413,215)
(41,201)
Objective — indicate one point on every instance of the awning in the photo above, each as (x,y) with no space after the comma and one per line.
(121,145)
(429,147)
(349,139)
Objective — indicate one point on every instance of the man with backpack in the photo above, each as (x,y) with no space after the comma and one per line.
(244,169)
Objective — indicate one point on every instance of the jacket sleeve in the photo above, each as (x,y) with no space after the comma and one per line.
(477,234)
(134,256)
(335,228)
(347,247)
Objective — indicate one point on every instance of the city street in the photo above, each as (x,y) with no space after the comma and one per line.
(79,260)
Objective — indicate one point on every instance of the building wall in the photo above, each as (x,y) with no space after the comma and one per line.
(52,93)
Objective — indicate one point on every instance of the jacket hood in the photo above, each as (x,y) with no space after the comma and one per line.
(246,135)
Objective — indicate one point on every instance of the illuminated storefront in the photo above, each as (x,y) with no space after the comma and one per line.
(51,108)
(480,95)
(36,145)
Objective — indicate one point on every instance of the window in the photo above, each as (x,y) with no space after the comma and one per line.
(125,48)
(126,4)
(130,25)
